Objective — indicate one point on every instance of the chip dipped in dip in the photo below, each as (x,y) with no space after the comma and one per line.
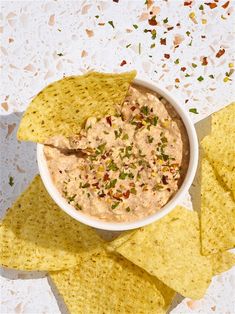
(122,168)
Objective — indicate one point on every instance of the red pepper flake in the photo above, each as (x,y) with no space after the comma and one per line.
(101,24)
(212,5)
(109,120)
(106,177)
(133,108)
(167,56)
(96,185)
(178,24)
(153,21)
(116,1)
(226,5)
(183,69)
(220,53)
(126,194)
(204,61)
(163,41)
(187,3)
(123,63)
(177,80)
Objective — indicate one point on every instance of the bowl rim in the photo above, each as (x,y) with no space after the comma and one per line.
(166,209)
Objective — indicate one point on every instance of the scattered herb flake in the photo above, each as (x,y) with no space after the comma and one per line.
(152,21)
(194,65)
(135,26)
(200,78)
(152,46)
(115,205)
(220,53)
(60,54)
(128,209)
(165,20)
(111,23)
(127,46)
(144,110)
(96,16)
(201,7)
(154,33)
(177,61)
(139,48)
(123,63)
(211,76)
(193,110)
(11,181)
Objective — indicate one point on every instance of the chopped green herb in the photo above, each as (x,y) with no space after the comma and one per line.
(201,7)
(101,148)
(118,133)
(188,33)
(111,23)
(200,78)
(133,191)
(60,54)
(139,48)
(96,16)
(164,139)
(128,209)
(127,152)
(115,205)
(177,61)
(211,76)
(193,110)
(123,175)
(71,198)
(77,206)
(11,181)
(125,137)
(165,20)
(86,185)
(194,65)
(112,166)
(59,30)
(135,26)
(144,110)
(150,139)
(190,44)
(155,120)
(111,184)
(130,175)
(127,46)
(154,33)
(187,75)
(152,46)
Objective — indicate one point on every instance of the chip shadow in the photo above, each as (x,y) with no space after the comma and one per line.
(203,128)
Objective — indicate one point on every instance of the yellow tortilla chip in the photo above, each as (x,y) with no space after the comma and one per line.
(217,213)
(63,107)
(222,262)
(170,250)
(108,283)
(220,150)
(36,234)
(224,120)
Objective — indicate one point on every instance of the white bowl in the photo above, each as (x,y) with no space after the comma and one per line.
(95,222)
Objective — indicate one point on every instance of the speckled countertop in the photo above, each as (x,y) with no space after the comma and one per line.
(188,48)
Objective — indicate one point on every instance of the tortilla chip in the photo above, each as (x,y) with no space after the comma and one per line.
(36,234)
(220,150)
(63,107)
(222,262)
(111,246)
(224,120)
(170,250)
(108,283)
(217,213)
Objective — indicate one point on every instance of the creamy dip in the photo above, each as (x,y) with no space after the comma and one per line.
(125,167)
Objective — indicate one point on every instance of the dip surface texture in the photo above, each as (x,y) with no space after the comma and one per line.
(126,167)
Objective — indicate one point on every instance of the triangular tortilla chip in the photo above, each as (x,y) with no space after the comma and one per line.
(108,283)
(63,107)
(36,234)
(170,250)
(217,213)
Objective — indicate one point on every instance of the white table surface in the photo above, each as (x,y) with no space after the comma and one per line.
(43,40)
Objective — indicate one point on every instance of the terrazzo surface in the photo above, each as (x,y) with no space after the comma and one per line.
(187,47)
